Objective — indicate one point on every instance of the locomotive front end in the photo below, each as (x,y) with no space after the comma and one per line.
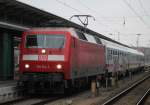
(44,59)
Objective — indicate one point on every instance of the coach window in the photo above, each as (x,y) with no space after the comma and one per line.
(109,51)
(113,52)
(81,35)
(117,52)
(109,57)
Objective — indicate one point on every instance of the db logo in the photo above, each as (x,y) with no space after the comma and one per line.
(42,57)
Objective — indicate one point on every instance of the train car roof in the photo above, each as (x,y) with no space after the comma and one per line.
(116,46)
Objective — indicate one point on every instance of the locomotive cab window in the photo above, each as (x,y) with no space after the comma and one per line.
(98,41)
(90,38)
(45,41)
(81,35)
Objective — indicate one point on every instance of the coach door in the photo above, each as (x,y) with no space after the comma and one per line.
(115,63)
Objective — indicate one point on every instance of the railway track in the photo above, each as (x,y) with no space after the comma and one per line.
(131,95)
(145,100)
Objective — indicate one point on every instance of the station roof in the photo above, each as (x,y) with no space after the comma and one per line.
(18,13)
(19,16)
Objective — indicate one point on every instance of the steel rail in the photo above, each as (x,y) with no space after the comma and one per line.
(143,98)
(119,95)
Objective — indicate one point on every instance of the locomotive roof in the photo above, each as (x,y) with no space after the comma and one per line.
(54,29)
(81,29)
(108,43)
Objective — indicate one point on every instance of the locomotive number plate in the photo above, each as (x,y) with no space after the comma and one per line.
(43,57)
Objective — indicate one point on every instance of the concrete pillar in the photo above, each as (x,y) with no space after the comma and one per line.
(1,56)
(7,57)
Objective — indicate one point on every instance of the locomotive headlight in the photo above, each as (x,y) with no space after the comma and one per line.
(43,51)
(59,66)
(27,66)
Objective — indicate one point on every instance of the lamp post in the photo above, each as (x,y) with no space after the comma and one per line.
(118,36)
(137,41)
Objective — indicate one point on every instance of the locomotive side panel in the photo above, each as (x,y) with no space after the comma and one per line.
(76,60)
(89,59)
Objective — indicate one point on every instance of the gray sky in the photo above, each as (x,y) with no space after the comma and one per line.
(110,16)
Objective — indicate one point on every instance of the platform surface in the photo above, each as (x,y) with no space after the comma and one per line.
(7,83)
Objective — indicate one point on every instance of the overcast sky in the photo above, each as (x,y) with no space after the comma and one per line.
(112,17)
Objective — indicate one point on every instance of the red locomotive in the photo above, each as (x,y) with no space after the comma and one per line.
(54,59)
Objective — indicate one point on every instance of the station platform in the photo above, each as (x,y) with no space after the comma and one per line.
(9,91)
(7,83)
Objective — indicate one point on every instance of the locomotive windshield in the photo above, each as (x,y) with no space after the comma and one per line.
(45,41)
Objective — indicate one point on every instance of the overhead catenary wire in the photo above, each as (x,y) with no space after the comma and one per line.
(94,11)
(97,20)
(67,5)
(77,10)
(134,11)
(144,10)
